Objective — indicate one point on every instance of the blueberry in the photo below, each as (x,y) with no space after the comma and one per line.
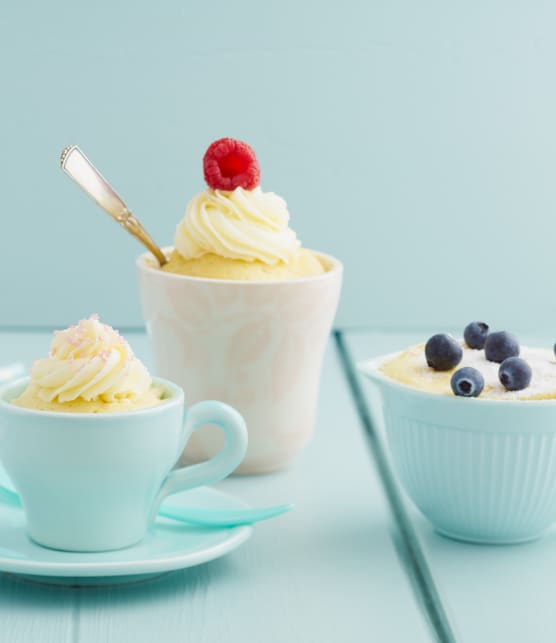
(443,352)
(515,374)
(475,334)
(500,345)
(467,382)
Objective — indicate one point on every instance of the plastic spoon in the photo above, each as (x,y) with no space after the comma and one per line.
(192,515)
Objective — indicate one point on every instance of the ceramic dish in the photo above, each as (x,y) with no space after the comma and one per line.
(168,546)
(480,470)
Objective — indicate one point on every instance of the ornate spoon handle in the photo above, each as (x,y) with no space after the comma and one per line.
(76,165)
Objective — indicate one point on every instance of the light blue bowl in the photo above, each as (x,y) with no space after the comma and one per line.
(480,470)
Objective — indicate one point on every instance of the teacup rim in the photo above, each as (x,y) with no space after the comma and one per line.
(371,369)
(336,268)
(176,399)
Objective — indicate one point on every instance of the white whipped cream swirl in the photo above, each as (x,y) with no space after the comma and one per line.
(250,225)
(91,362)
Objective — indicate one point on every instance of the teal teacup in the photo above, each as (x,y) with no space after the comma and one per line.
(94,482)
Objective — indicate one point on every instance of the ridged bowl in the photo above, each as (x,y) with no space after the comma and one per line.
(479,470)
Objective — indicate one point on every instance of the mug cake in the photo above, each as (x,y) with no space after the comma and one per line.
(242,312)
(471,430)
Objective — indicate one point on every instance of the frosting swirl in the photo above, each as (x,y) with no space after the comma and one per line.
(250,225)
(91,362)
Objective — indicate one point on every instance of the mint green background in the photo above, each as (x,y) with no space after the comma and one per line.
(416,141)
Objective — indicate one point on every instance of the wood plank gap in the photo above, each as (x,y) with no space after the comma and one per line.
(75,616)
(405,539)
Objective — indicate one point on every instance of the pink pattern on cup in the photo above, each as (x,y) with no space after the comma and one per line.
(255,345)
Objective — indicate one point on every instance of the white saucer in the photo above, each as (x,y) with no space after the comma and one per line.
(168,546)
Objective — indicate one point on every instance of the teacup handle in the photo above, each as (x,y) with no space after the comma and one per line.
(220,465)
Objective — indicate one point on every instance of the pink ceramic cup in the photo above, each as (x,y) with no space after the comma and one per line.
(256,345)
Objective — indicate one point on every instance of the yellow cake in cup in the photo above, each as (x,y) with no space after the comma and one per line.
(90,369)
(234,230)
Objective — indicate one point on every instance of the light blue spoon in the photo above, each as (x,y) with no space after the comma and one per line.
(192,515)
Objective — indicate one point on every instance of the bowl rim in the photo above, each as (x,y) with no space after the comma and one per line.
(176,398)
(337,268)
(371,369)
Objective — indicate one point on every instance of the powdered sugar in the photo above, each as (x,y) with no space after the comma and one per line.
(410,367)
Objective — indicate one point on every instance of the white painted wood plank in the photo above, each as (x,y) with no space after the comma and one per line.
(33,613)
(491,593)
(326,572)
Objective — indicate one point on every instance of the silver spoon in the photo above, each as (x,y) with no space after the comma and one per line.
(76,165)
(193,515)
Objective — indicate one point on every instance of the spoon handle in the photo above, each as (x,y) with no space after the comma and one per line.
(193,515)
(221,517)
(77,166)
(9,497)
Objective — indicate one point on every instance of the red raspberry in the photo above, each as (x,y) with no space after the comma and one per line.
(229,163)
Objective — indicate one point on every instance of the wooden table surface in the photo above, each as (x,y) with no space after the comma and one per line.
(354,561)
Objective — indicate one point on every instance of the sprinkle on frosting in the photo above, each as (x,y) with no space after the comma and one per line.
(89,361)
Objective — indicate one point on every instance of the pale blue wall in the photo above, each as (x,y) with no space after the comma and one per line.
(415,140)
